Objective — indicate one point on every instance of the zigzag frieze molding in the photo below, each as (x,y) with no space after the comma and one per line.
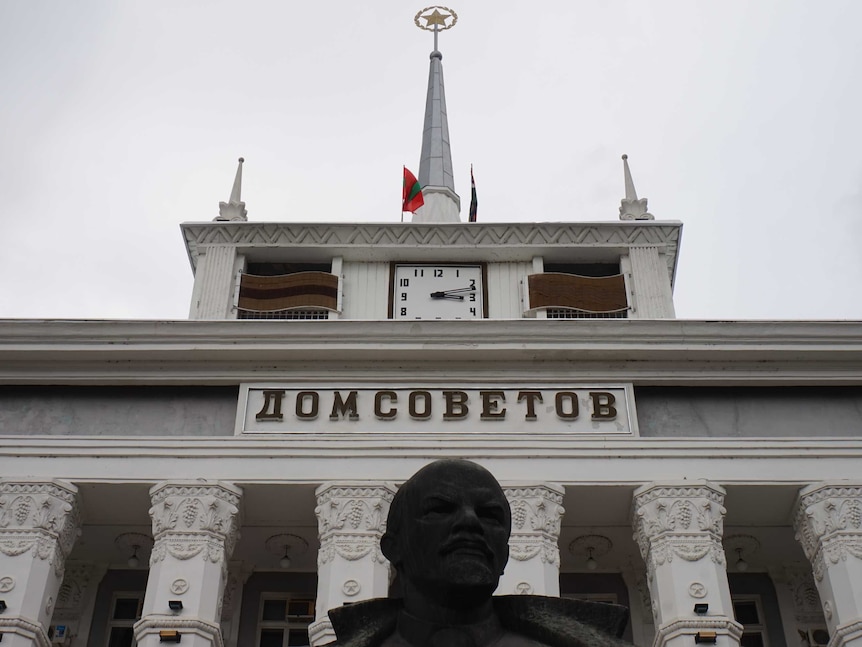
(454,235)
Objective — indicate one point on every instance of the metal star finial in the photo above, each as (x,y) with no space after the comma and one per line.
(437,18)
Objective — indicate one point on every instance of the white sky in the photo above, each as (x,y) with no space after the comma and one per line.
(119,120)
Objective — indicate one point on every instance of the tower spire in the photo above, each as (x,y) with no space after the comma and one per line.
(442,204)
(630,207)
(234,209)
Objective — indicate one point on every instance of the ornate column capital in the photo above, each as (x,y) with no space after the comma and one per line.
(828,523)
(537,514)
(684,519)
(351,519)
(39,516)
(195,517)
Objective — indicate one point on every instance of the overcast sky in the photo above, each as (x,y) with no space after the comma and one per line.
(120,120)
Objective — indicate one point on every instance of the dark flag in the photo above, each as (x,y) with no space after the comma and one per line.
(474,203)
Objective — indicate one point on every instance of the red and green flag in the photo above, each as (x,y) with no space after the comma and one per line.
(411,196)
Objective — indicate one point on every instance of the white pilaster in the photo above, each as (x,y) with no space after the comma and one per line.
(678,527)
(534,553)
(76,598)
(828,524)
(351,520)
(650,285)
(640,605)
(195,528)
(212,295)
(39,523)
(798,602)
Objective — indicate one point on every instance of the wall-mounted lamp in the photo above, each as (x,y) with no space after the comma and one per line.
(170,636)
(175,605)
(705,637)
(3,606)
(701,608)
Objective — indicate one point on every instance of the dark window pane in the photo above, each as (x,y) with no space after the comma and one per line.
(126,609)
(271,638)
(274,609)
(122,637)
(746,613)
(298,638)
(751,640)
(299,608)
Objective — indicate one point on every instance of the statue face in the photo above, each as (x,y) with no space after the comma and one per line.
(452,540)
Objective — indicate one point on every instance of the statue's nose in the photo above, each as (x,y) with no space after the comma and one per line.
(467,519)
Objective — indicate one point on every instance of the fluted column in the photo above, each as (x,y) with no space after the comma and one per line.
(195,528)
(351,520)
(828,524)
(39,523)
(534,553)
(678,527)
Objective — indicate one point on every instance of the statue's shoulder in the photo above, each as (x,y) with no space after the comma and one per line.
(365,624)
(562,622)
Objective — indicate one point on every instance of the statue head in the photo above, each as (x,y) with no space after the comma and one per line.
(448,533)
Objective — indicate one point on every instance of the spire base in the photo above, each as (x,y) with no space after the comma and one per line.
(231,211)
(634,209)
(442,204)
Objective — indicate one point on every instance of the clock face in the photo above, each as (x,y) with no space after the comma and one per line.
(438,291)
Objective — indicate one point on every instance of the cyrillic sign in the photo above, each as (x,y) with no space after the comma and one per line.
(577,409)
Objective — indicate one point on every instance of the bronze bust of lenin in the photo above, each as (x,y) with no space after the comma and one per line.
(447,535)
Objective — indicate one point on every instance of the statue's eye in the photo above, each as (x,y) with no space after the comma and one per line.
(492,513)
(437,507)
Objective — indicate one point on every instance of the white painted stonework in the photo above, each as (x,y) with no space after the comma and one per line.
(534,553)
(39,523)
(678,527)
(195,527)
(829,527)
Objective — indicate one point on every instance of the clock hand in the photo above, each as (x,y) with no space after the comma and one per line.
(458,290)
(445,295)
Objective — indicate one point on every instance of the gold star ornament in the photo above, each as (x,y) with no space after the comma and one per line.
(438,19)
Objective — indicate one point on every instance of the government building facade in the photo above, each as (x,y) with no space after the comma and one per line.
(224,480)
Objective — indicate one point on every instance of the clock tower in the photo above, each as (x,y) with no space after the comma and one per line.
(435,267)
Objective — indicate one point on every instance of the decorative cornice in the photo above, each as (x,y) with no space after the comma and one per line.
(152,624)
(387,241)
(691,626)
(25,628)
(227,352)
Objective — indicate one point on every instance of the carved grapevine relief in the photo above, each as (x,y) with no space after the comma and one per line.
(351,521)
(537,514)
(679,522)
(194,520)
(829,526)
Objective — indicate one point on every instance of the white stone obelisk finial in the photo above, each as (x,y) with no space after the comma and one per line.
(234,209)
(630,207)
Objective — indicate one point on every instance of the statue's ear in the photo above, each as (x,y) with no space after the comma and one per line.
(389,547)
